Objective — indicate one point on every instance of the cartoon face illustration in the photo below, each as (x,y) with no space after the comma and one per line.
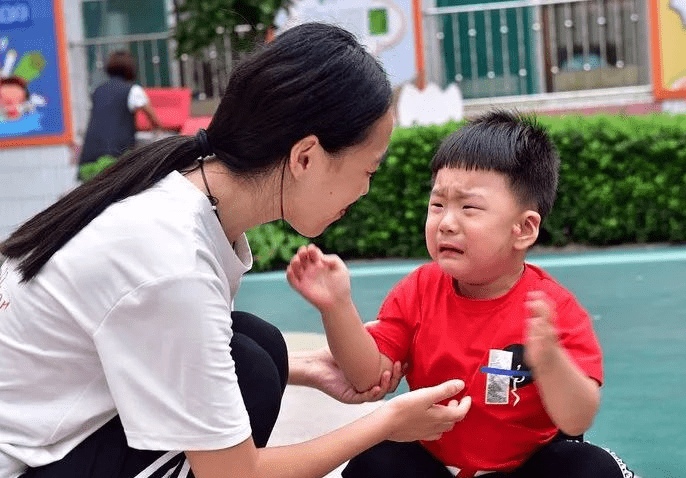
(12,97)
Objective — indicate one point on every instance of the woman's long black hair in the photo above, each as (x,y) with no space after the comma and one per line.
(312,79)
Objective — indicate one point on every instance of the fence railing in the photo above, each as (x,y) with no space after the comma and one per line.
(205,73)
(526,47)
(517,47)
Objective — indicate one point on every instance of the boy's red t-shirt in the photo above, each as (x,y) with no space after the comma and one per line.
(444,336)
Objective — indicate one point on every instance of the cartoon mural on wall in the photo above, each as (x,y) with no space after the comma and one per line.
(668,28)
(383,26)
(33,103)
(378,24)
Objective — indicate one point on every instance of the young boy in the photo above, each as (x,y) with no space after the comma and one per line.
(520,341)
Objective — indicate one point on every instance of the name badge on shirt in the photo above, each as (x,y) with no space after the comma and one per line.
(498,385)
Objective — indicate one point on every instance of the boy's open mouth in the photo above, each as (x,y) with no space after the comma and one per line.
(449,248)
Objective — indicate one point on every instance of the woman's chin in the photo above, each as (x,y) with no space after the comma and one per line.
(310,232)
(314,230)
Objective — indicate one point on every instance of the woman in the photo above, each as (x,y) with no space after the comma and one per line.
(112,125)
(117,336)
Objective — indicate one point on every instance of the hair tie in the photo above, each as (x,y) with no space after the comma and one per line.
(204,143)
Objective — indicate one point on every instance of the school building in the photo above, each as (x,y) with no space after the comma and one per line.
(549,55)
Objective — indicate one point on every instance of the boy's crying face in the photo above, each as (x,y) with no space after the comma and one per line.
(473,225)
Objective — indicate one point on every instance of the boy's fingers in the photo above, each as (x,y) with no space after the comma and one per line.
(291,273)
(302,252)
(314,253)
(539,304)
(372,394)
(332,261)
(396,376)
(329,261)
(539,310)
(385,380)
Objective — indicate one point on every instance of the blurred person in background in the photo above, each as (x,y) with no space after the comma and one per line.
(112,125)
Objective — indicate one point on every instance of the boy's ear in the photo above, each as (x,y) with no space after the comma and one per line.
(301,156)
(526,230)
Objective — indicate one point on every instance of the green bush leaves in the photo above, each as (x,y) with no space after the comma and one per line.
(622,180)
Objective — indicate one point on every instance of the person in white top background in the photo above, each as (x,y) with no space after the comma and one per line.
(120,354)
(111,127)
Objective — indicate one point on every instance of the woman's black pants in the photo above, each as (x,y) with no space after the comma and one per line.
(261,358)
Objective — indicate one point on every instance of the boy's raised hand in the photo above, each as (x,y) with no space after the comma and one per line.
(321,279)
(541,335)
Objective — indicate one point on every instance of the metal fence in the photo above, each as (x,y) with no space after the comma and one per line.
(526,47)
(205,73)
(519,47)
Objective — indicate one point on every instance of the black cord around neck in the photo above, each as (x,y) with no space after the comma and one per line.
(213,200)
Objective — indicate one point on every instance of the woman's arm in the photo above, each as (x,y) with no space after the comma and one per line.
(324,281)
(149,111)
(408,417)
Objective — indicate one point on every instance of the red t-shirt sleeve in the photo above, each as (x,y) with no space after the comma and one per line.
(394,331)
(577,336)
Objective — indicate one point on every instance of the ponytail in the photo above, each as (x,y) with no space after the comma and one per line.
(40,237)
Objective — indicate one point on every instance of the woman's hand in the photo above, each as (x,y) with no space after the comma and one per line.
(319,370)
(417,415)
(323,280)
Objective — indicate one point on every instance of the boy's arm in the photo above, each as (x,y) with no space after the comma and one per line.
(570,397)
(324,281)
(353,347)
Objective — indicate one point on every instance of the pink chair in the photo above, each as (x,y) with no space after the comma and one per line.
(172,105)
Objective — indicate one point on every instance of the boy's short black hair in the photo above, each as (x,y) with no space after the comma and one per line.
(511,144)
(121,64)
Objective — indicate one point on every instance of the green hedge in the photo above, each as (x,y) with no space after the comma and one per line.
(622,180)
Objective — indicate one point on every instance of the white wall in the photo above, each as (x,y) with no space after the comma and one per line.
(31,179)
(78,73)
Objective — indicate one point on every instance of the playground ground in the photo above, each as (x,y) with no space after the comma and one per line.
(637,298)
